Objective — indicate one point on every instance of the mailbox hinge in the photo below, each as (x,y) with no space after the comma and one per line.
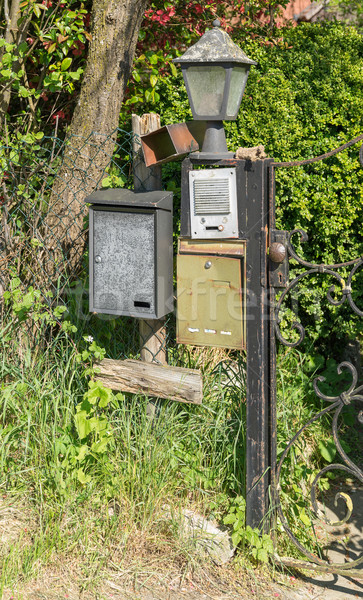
(278,259)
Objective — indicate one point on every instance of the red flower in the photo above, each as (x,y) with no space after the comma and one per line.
(60,115)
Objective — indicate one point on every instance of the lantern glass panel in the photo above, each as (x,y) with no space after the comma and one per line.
(237,87)
(206,85)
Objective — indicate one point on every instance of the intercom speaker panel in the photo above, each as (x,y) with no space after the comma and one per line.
(213,203)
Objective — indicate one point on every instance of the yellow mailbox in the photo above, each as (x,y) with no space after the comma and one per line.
(211,293)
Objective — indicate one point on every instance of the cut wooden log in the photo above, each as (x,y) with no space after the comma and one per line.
(150,379)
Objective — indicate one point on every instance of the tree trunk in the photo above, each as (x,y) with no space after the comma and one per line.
(91,137)
(12,33)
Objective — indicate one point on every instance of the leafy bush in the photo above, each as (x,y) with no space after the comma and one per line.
(302,100)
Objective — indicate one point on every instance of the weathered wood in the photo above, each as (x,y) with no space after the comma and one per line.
(152,341)
(161,381)
(146,178)
(152,333)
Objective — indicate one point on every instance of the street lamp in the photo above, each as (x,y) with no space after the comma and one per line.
(215,72)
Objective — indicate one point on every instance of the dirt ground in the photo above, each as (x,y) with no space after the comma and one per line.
(64,581)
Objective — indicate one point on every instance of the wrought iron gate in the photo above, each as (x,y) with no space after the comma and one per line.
(281,250)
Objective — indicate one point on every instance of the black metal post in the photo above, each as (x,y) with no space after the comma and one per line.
(258,443)
(253,219)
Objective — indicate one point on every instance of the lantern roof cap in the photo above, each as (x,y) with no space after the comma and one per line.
(214,46)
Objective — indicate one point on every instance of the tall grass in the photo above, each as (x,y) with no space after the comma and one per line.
(189,456)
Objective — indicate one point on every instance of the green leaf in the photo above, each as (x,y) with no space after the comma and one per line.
(304,518)
(236,538)
(262,555)
(7,58)
(173,69)
(82,424)
(23,92)
(66,63)
(106,182)
(153,80)
(83,451)
(327,450)
(229,519)
(100,446)
(82,477)
(345,446)
(23,47)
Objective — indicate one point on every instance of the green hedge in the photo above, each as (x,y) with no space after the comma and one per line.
(303,99)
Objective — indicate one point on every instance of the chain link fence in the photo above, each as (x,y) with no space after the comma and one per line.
(42,256)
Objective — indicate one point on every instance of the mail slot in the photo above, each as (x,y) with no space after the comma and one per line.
(211,293)
(131,253)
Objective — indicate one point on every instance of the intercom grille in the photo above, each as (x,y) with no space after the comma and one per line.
(211,197)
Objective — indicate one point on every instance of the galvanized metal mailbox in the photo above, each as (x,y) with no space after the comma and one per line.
(131,253)
(211,293)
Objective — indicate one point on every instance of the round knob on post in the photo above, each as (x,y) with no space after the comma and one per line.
(277,252)
(216,23)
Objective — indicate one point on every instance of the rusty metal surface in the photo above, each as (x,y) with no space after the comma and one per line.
(277,252)
(279,259)
(221,248)
(172,142)
(337,295)
(308,161)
